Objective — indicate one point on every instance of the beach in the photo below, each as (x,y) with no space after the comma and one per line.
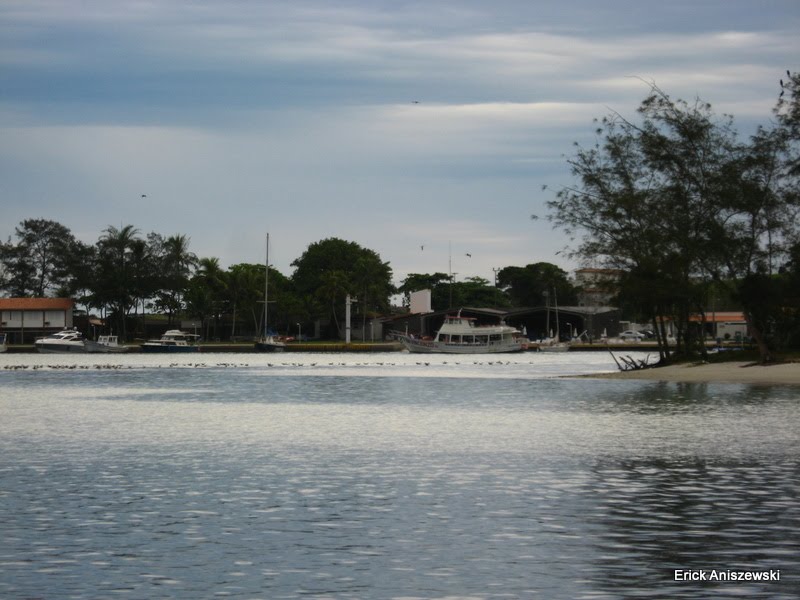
(727,372)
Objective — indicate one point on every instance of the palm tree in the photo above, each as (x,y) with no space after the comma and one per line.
(116,286)
(175,266)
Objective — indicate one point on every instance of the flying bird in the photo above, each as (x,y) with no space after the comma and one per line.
(422,247)
(144,195)
(415,102)
(781,82)
(468,254)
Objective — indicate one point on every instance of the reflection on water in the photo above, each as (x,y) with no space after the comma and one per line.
(230,482)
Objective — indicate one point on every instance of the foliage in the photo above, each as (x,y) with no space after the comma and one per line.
(678,200)
(333,268)
(37,264)
(438,283)
(527,286)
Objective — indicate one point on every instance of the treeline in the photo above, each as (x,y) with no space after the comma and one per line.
(126,275)
(689,210)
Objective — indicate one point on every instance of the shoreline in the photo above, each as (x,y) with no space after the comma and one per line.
(726,372)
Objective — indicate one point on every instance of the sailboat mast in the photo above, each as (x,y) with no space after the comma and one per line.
(555,301)
(266,288)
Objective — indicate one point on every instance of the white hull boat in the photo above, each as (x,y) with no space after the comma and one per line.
(460,335)
(555,347)
(67,341)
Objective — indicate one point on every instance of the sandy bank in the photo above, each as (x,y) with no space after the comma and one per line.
(729,372)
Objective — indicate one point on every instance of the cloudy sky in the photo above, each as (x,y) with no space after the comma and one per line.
(395,124)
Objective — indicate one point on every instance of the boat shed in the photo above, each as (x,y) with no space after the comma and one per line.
(572,321)
(25,319)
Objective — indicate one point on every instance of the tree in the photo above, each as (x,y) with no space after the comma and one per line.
(244,289)
(438,283)
(681,198)
(115,284)
(526,286)
(205,293)
(37,264)
(331,269)
(174,263)
(476,292)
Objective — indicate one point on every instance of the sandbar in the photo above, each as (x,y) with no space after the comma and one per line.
(726,372)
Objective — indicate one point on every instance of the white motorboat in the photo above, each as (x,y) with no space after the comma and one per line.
(64,341)
(461,335)
(173,340)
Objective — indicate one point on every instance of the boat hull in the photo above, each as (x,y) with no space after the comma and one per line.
(96,348)
(61,348)
(269,347)
(555,348)
(156,349)
(434,347)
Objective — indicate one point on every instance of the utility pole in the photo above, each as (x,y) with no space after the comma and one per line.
(348,301)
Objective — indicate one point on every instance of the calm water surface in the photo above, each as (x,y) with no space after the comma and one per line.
(388,476)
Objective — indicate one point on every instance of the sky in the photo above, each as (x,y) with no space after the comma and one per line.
(424,131)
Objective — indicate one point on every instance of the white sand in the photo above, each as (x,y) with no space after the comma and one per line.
(728,372)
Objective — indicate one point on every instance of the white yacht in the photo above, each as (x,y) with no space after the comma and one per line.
(65,341)
(460,335)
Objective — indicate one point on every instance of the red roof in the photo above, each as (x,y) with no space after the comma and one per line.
(36,303)
(720,317)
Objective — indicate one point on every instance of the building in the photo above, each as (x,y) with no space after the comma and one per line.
(25,319)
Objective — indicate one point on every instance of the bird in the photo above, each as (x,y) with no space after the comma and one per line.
(415,102)
(468,254)
(422,247)
(144,195)
(781,82)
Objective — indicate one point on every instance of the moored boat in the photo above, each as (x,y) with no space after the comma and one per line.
(173,340)
(268,342)
(62,342)
(460,335)
(553,346)
(106,344)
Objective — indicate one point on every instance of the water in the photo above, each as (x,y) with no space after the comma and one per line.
(388,476)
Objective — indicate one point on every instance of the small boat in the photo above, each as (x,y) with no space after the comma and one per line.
(553,344)
(268,342)
(3,342)
(62,342)
(173,340)
(106,344)
(460,335)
